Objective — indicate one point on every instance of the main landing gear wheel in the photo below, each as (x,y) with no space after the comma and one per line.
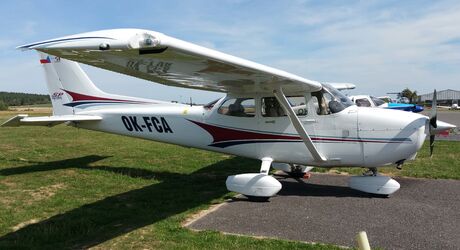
(296,172)
(257,198)
(293,170)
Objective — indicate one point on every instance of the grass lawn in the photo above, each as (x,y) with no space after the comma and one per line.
(64,187)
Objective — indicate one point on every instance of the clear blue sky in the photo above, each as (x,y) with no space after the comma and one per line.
(381,46)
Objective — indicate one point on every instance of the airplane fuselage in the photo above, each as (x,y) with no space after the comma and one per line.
(353,137)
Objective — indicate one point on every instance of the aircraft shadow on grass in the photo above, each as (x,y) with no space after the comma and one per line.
(100,221)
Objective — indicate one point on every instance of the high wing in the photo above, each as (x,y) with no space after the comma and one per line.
(341,86)
(160,58)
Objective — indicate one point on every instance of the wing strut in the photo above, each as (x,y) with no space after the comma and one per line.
(298,125)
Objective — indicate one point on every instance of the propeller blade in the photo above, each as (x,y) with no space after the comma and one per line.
(433,121)
(434,113)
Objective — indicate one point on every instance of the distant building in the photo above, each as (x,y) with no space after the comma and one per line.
(448,97)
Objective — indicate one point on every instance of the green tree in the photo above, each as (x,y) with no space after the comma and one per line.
(409,94)
(3,106)
(15,99)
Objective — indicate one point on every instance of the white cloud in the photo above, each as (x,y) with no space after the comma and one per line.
(383,55)
(380,45)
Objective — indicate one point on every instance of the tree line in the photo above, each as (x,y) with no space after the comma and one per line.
(19,99)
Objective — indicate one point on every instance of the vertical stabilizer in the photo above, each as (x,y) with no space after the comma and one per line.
(55,88)
(68,83)
(70,88)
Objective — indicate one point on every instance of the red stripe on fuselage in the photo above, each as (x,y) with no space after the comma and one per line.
(81,97)
(220,134)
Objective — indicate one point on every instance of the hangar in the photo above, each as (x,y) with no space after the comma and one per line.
(447,97)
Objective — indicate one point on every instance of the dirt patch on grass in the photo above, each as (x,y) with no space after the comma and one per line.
(8,147)
(14,194)
(46,191)
(24,224)
(5,200)
(8,183)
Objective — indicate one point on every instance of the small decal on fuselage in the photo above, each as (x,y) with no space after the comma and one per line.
(146,123)
(57,95)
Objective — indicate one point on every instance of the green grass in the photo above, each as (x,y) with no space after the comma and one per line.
(64,187)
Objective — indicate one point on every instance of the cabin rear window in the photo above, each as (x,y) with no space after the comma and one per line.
(241,107)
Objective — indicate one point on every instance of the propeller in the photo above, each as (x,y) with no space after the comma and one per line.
(433,121)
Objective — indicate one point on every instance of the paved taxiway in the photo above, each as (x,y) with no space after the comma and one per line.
(452,117)
(423,214)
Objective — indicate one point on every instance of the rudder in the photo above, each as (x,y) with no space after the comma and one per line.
(65,80)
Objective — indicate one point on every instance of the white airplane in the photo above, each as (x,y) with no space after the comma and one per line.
(259,118)
(454,106)
(371,101)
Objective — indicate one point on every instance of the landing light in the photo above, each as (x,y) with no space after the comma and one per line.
(151,42)
(148,41)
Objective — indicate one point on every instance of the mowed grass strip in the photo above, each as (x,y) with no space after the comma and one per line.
(64,187)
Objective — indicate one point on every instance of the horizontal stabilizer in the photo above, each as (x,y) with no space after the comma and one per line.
(24,120)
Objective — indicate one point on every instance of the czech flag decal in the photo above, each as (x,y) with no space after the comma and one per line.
(47,60)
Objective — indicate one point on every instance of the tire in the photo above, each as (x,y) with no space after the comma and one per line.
(257,198)
(296,174)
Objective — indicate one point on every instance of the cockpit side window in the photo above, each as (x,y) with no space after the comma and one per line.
(211,104)
(272,108)
(320,103)
(241,107)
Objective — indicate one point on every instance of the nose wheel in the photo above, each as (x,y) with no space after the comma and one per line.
(371,172)
(373,183)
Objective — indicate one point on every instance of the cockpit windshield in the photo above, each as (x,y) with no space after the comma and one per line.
(377,101)
(329,100)
(338,96)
